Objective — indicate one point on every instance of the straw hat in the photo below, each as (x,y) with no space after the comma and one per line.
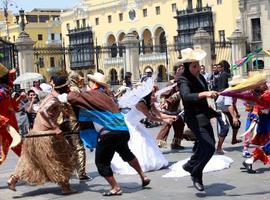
(190,55)
(98,78)
(4,71)
(236,80)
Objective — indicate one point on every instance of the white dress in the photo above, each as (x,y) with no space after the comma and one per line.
(216,163)
(142,145)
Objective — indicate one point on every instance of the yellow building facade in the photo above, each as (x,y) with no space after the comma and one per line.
(149,20)
(44,28)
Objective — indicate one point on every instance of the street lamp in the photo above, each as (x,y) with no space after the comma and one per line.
(6,4)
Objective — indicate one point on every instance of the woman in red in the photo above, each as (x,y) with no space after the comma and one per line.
(8,120)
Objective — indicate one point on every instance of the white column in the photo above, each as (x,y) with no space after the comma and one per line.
(202,40)
(131,56)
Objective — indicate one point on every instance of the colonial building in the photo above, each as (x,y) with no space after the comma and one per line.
(254,25)
(154,24)
(44,28)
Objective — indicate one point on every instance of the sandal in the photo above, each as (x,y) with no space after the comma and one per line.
(112,193)
(145,181)
(12,182)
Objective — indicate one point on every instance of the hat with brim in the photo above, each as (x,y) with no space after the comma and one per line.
(237,79)
(190,55)
(4,70)
(148,70)
(98,78)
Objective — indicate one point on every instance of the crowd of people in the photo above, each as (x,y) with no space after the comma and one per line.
(58,119)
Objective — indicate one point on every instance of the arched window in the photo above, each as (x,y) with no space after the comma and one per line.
(113,77)
(162,74)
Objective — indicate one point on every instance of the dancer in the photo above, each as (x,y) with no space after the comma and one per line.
(49,158)
(74,139)
(97,106)
(9,136)
(149,155)
(194,91)
(171,106)
(258,131)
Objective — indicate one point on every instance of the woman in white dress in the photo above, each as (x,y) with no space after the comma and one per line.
(141,141)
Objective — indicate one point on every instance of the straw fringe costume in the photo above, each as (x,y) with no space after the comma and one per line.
(46,159)
(74,139)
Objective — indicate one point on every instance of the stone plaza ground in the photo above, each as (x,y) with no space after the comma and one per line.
(228,184)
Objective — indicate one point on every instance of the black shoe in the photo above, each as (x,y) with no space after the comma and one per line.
(197,183)
(177,146)
(85,178)
(187,168)
(248,168)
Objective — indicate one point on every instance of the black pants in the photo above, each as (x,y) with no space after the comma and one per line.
(108,144)
(205,147)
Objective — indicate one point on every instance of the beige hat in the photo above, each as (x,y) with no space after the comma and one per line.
(236,80)
(148,70)
(98,78)
(190,55)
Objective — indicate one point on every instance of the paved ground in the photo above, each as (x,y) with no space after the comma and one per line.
(226,184)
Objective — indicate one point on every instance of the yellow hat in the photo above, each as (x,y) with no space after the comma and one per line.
(3,70)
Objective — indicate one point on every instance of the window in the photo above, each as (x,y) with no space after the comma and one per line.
(68,26)
(52,36)
(78,23)
(84,22)
(41,62)
(52,62)
(120,17)
(60,36)
(158,10)
(222,36)
(109,19)
(31,18)
(40,37)
(43,18)
(174,7)
(14,38)
(219,2)
(145,12)
(256,29)
(97,21)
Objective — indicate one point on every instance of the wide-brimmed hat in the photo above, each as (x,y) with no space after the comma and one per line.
(148,70)
(236,80)
(190,55)
(98,78)
(4,70)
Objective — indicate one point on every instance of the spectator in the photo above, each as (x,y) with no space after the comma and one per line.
(205,74)
(223,79)
(36,86)
(32,107)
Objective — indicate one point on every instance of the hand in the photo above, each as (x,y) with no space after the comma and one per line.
(164,105)
(235,121)
(211,94)
(168,121)
(23,95)
(58,131)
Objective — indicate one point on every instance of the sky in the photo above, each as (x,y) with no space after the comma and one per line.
(28,5)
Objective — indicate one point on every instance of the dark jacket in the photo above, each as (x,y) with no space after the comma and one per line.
(222,81)
(190,87)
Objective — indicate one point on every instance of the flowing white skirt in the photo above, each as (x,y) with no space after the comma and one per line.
(144,147)
(216,163)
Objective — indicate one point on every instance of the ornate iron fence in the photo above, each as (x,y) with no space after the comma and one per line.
(9,55)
